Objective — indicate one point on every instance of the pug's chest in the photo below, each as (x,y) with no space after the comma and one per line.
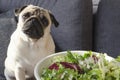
(33,54)
(30,57)
(30,53)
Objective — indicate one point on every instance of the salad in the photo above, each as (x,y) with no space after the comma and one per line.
(89,66)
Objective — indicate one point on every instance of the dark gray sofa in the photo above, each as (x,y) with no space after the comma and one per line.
(83,25)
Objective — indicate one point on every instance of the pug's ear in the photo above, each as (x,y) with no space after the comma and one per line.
(17,12)
(53,19)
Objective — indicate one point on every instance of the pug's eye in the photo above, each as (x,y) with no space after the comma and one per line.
(26,15)
(44,21)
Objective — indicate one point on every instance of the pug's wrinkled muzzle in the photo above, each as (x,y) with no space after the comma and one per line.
(33,28)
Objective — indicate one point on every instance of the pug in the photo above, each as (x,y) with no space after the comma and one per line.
(30,42)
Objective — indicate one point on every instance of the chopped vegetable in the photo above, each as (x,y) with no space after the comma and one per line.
(89,66)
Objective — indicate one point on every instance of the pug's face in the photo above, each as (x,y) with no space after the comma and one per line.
(33,20)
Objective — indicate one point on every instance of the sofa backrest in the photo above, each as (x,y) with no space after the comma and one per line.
(6,5)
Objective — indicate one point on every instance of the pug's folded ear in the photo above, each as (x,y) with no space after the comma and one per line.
(17,12)
(53,19)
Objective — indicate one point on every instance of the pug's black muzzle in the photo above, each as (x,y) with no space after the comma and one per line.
(33,28)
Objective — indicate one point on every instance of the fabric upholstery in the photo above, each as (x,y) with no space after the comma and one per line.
(107,28)
(6,29)
(75,30)
(6,5)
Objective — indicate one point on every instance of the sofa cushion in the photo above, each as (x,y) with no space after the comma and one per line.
(107,27)
(7,26)
(74,17)
(75,29)
(6,5)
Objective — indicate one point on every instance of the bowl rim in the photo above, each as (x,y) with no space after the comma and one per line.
(36,69)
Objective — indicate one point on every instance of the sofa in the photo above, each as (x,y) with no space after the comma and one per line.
(84,25)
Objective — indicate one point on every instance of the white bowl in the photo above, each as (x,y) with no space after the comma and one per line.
(47,61)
